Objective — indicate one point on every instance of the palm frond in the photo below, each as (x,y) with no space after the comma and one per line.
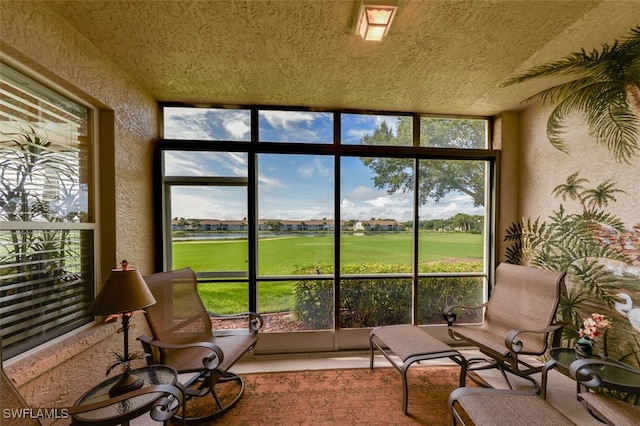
(526,237)
(600,91)
(583,62)
(594,279)
(574,63)
(604,218)
(618,130)
(601,195)
(572,189)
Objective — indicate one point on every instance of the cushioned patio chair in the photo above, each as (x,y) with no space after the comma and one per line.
(502,407)
(587,372)
(518,321)
(183,339)
(11,399)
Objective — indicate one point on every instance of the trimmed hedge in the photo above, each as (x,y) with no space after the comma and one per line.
(369,302)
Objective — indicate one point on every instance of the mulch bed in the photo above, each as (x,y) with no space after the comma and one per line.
(273,323)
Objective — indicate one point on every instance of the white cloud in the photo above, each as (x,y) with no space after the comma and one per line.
(346,204)
(305,171)
(362,193)
(239,129)
(383,201)
(313,168)
(285,119)
(355,135)
(268,183)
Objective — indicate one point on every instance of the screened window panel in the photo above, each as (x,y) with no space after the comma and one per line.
(444,132)
(436,293)
(368,302)
(207,124)
(46,213)
(364,257)
(295,126)
(380,130)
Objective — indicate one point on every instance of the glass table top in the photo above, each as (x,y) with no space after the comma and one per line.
(151,375)
(608,374)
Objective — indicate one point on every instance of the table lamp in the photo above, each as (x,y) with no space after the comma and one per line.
(123,293)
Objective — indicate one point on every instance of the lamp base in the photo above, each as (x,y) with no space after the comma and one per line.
(127,383)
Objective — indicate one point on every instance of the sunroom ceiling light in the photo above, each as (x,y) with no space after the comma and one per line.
(374,18)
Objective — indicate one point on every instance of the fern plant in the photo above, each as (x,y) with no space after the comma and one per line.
(568,242)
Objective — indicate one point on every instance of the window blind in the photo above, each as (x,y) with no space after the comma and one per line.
(46,217)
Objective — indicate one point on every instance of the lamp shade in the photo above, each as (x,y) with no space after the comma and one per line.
(124,291)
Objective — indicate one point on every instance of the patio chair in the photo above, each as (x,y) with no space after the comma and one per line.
(518,321)
(606,409)
(13,400)
(183,339)
(502,407)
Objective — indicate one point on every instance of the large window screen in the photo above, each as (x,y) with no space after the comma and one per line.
(296,225)
(377,237)
(353,219)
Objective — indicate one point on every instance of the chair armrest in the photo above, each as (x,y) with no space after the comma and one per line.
(255,320)
(585,372)
(515,345)
(450,316)
(208,361)
(167,407)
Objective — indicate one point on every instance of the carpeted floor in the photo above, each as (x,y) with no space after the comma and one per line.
(344,397)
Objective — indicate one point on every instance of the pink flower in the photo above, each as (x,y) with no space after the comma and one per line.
(592,326)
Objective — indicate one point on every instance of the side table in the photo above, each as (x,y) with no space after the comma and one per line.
(612,378)
(160,388)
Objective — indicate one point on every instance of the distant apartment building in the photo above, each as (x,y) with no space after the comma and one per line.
(377,225)
(283,225)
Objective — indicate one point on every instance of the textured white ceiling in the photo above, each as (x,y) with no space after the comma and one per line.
(439,57)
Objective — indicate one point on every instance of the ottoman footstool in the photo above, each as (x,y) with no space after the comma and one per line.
(411,344)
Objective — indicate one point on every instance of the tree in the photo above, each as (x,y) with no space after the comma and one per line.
(183,223)
(606,92)
(437,177)
(273,225)
(38,183)
(464,222)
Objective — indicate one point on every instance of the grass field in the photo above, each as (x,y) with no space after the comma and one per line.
(281,256)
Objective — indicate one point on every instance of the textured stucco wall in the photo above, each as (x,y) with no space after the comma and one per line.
(31,35)
(40,39)
(544,167)
(506,140)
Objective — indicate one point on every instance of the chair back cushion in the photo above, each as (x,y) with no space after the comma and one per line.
(179,316)
(524,298)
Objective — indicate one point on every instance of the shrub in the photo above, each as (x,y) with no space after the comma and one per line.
(371,302)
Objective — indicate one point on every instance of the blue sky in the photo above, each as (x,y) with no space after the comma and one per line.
(296,187)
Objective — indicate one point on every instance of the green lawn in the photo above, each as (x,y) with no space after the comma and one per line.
(281,256)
